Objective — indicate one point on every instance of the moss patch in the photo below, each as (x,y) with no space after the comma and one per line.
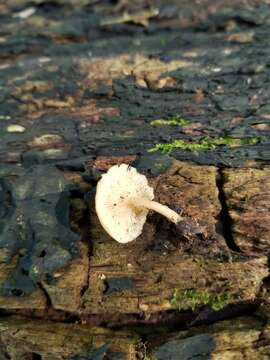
(191,299)
(177,121)
(204,144)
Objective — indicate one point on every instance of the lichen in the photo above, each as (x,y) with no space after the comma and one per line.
(204,144)
(177,121)
(191,299)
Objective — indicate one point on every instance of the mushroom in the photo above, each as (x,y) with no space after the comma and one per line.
(123,199)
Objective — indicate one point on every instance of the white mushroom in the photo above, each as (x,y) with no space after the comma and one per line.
(123,199)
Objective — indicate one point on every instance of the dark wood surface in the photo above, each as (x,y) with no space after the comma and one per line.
(88,84)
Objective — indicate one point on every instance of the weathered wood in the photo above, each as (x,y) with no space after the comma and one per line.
(243,338)
(86,84)
(161,270)
(22,340)
(70,283)
(34,301)
(247,193)
(144,275)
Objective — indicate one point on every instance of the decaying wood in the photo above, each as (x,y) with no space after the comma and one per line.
(70,282)
(159,262)
(243,338)
(22,340)
(88,84)
(247,194)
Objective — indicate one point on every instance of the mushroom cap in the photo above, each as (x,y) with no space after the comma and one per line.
(121,221)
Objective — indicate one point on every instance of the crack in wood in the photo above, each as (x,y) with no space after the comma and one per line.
(224,217)
(46,295)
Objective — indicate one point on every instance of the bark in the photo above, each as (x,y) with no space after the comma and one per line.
(179,90)
(56,341)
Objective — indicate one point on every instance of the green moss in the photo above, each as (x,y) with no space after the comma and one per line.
(204,144)
(191,299)
(177,121)
(122,136)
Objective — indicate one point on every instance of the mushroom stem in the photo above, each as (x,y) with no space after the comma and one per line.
(153,205)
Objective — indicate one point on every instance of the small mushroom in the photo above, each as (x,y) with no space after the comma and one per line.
(123,199)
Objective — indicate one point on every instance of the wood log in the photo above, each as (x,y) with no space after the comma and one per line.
(46,340)
(247,194)
(179,90)
(232,339)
